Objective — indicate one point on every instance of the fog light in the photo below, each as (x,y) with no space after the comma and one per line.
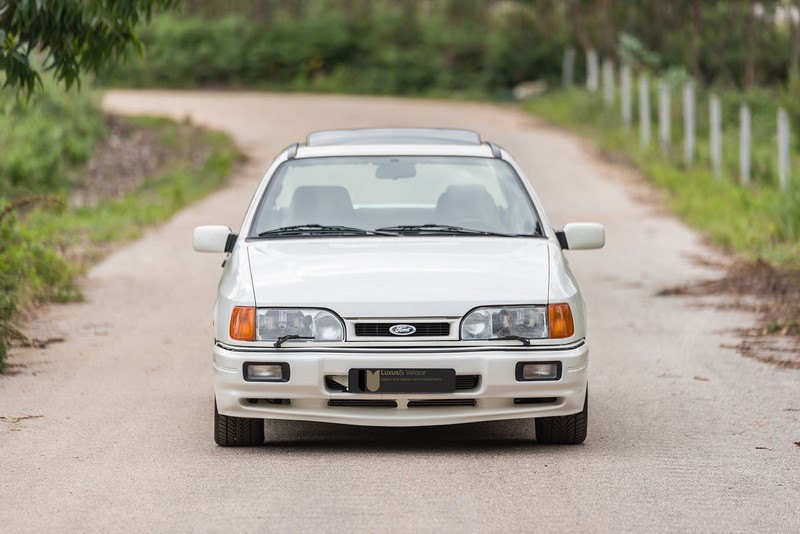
(539,371)
(266,372)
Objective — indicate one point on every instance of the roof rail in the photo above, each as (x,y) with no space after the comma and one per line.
(390,136)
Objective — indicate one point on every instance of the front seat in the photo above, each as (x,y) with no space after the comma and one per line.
(320,204)
(468,205)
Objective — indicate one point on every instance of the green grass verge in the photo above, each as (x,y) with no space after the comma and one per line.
(758,221)
(42,251)
(155,200)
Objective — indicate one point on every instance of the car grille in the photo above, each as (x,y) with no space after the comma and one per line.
(463,382)
(423,329)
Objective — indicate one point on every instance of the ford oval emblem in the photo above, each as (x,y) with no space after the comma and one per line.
(402,329)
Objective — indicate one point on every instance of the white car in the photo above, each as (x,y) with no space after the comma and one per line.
(398,277)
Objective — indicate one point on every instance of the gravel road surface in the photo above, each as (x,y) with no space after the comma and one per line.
(111,430)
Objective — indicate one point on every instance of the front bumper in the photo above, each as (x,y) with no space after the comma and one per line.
(306,397)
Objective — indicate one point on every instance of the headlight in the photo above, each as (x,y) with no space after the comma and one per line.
(270,324)
(530,322)
(321,325)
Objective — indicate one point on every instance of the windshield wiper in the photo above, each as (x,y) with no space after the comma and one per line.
(312,229)
(525,340)
(440,229)
(283,339)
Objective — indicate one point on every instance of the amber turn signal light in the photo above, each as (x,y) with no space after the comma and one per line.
(561,323)
(243,323)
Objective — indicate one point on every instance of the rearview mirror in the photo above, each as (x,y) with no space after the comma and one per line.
(395,170)
(582,236)
(213,239)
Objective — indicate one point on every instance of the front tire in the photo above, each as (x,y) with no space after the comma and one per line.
(237,431)
(564,429)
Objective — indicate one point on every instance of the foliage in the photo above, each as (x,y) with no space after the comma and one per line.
(45,141)
(472,46)
(632,52)
(759,220)
(74,35)
(44,243)
(378,47)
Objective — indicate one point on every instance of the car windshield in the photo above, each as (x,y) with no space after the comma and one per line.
(395,195)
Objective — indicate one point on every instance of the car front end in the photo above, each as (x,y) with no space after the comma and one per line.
(398,278)
(445,348)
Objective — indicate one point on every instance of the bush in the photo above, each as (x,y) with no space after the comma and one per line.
(43,242)
(387,50)
(44,140)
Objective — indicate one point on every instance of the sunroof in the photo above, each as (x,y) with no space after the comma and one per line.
(390,136)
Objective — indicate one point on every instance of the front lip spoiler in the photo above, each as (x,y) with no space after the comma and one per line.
(406,350)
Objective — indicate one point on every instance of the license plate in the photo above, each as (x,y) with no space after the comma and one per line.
(402,380)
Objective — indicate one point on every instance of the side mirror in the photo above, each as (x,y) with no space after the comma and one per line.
(582,236)
(213,239)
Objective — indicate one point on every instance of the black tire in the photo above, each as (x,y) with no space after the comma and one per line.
(237,431)
(564,429)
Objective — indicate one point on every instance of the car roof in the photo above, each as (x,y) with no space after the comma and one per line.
(394,141)
(393,136)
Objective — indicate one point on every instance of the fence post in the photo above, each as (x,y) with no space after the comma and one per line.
(568,67)
(663,116)
(744,144)
(625,88)
(592,77)
(715,135)
(783,149)
(644,111)
(688,124)
(608,82)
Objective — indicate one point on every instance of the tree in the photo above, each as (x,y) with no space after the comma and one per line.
(69,36)
(793,15)
(696,40)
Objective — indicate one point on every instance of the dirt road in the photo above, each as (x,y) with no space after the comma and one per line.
(684,435)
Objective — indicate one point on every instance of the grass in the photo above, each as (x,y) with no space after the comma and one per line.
(178,184)
(758,220)
(45,243)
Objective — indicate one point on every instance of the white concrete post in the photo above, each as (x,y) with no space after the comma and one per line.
(784,165)
(627,101)
(568,68)
(608,82)
(663,116)
(715,135)
(744,144)
(688,124)
(644,111)
(592,77)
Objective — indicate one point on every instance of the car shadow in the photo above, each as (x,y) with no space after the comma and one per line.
(299,436)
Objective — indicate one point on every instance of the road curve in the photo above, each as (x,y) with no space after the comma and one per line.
(684,434)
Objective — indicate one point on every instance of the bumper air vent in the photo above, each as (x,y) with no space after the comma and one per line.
(363,403)
(438,403)
(535,400)
(464,382)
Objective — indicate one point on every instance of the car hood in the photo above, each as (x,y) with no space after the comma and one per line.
(399,276)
